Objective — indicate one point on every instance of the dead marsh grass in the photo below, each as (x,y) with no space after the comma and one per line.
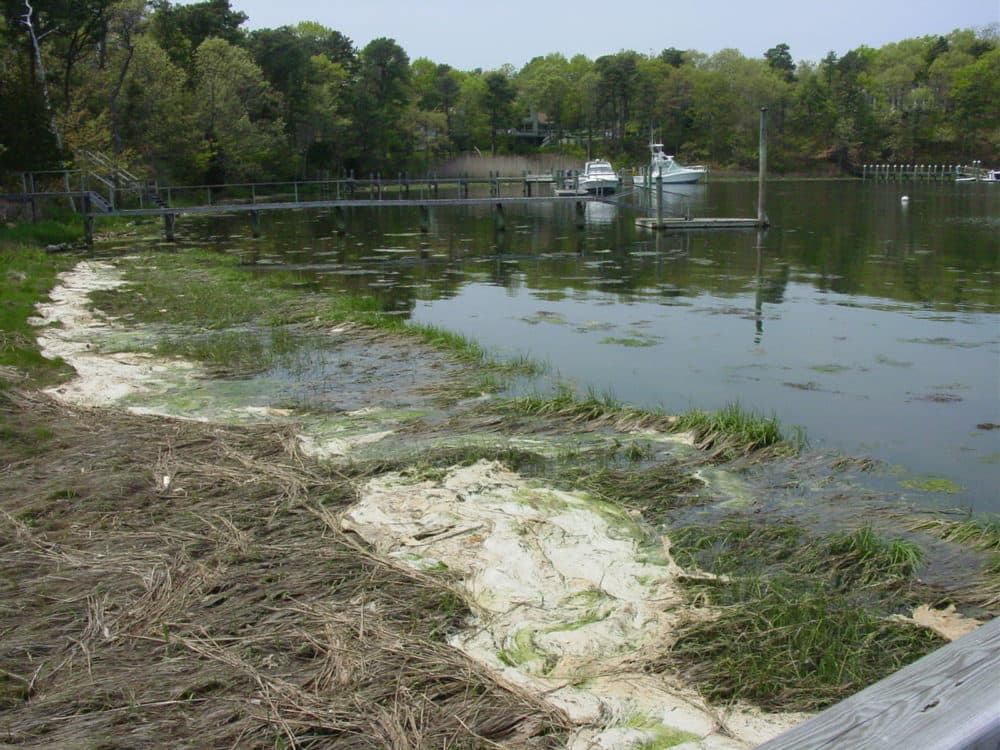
(221,607)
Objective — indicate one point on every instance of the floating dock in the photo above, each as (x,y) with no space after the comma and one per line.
(668,223)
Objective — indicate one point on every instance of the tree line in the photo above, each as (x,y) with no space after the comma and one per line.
(188,95)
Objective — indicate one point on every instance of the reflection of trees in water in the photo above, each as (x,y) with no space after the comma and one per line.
(845,238)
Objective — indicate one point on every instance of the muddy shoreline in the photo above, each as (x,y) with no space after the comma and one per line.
(128,526)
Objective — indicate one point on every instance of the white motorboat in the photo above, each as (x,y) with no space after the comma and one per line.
(983,175)
(664,166)
(598,176)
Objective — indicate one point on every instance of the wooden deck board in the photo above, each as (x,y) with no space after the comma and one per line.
(949,700)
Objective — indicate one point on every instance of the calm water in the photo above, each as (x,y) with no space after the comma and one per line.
(872,323)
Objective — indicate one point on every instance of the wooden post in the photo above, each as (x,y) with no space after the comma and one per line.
(580,212)
(88,221)
(255,224)
(659,199)
(425,219)
(762,171)
(340,220)
(168,226)
(499,219)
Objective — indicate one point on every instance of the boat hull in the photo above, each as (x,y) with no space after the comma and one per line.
(676,178)
(602,187)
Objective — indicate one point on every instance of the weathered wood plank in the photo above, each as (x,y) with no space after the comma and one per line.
(949,700)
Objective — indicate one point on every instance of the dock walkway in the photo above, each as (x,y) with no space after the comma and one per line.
(949,700)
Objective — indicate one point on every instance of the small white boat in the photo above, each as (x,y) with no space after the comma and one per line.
(664,166)
(981,175)
(598,176)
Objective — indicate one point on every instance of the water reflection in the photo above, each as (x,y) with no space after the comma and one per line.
(599,213)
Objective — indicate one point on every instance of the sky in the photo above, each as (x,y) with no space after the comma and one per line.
(467,34)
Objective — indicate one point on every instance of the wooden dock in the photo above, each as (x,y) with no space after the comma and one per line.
(681,223)
(949,700)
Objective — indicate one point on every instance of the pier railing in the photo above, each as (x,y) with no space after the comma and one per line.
(894,172)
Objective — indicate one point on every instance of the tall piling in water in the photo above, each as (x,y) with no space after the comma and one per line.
(762,171)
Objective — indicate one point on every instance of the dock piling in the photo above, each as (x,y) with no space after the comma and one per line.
(762,170)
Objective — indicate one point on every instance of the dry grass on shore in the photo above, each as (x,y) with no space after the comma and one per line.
(180,584)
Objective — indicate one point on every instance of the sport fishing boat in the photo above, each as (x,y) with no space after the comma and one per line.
(664,166)
(598,176)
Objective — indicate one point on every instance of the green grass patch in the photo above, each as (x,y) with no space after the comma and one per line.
(799,622)
(59,231)
(27,274)
(737,546)
(786,647)
(660,736)
(734,431)
(863,558)
(594,407)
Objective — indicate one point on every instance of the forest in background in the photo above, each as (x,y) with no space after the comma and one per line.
(185,95)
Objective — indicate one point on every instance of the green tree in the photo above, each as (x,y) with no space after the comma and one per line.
(498,99)
(780,59)
(617,82)
(309,65)
(159,118)
(977,91)
(545,83)
(181,29)
(381,97)
(234,105)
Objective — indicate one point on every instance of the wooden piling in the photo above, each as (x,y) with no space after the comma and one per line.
(255,224)
(88,221)
(762,172)
(169,220)
(659,197)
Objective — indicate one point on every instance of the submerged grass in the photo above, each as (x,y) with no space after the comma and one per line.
(982,535)
(208,291)
(654,491)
